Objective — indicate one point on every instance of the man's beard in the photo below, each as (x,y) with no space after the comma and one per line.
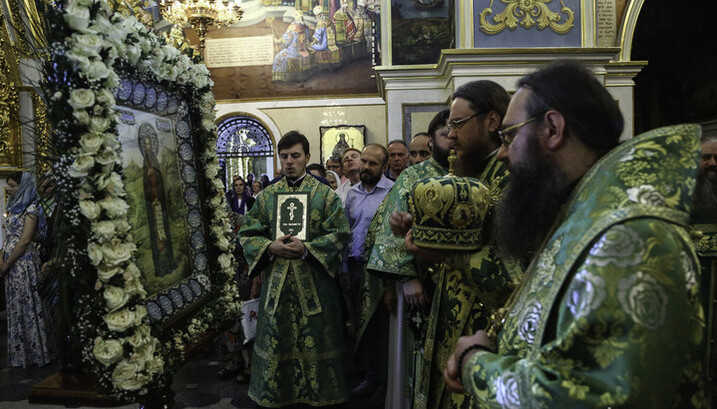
(367,178)
(704,203)
(530,204)
(440,156)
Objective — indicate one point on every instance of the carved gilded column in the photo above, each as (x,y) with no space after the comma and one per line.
(10,130)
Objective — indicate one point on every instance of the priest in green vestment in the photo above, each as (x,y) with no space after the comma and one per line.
(704,225)
(470,286)
(298,350)
(389,261)
(608,314)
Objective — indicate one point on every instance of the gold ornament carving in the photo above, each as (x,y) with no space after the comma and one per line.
(527,13)
(26,23)
(10,136)
(42,135)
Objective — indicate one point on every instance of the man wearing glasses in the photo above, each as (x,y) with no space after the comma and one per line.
(469,286)
(609,313)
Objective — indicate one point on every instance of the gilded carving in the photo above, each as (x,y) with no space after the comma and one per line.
(527,13)
(42,134)
(10,139)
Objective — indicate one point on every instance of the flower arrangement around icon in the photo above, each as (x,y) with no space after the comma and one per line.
(90,50)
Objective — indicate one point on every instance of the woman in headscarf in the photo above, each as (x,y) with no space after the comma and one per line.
(25,225)
(239,200)
(333,179)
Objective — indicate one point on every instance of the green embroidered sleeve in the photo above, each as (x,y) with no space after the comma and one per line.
(625,330)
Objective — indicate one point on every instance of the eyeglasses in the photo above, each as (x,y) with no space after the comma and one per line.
(458,123)
(506,135)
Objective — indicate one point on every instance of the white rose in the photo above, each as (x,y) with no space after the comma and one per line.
(114,207)
(77,17)
(125,375)
(223,243)
(78,59)
(112,81)
(116,252)
(224,260)
(121,226)
(133,286)
(90,142)
(104,273)
(105,97)
(140,315)
(96,71)
(104,229)
(81,98)
(139,337)
(82,117)
(99,124)
(81,166)
(107,158)
(155,366)
(112,183)
(115,297)
(120,320)
(90,209)
(110,140)
(132,271)
(88,44)
(108,351)
(94,252)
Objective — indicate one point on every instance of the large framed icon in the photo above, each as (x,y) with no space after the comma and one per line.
(336,139)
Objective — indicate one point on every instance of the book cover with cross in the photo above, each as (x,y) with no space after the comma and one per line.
(292,215)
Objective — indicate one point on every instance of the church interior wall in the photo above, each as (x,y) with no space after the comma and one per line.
(306,116)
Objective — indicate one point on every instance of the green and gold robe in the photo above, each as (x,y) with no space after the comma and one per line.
(705,239)
(298,350)
(388,259)
(470,288)
(608,314)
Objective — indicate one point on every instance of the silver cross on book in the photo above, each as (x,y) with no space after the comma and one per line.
(292,215)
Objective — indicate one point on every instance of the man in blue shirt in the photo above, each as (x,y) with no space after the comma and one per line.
(361,203)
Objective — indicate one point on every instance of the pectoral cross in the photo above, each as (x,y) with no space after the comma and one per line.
(291,208)
(451,159)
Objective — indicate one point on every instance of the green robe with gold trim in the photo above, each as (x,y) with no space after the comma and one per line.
(608,314)
(470,288)
(705,239)
(387,257)
(298,350)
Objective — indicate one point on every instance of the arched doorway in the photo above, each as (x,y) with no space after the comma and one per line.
(244,146)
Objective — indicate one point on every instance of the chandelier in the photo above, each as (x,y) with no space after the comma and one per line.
(201,14)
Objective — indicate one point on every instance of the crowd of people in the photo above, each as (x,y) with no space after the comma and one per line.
(590,288)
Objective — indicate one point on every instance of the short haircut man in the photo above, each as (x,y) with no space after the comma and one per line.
(397,158)
(361,204)
(420,148)
(335,164)
(577,333)
(299,322)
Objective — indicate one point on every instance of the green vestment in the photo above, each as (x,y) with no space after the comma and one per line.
(705,239)
(298,350)
(470,287)
(387,256)
(608,314)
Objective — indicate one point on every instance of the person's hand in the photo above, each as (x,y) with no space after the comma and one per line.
(450,374)
(287,246)
(389,300)
(345,282)
(422,253)
(400,223)
(414,293)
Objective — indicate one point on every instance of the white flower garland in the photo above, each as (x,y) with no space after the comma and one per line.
(132,358)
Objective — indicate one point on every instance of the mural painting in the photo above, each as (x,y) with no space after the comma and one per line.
(306,48)
(420,29)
